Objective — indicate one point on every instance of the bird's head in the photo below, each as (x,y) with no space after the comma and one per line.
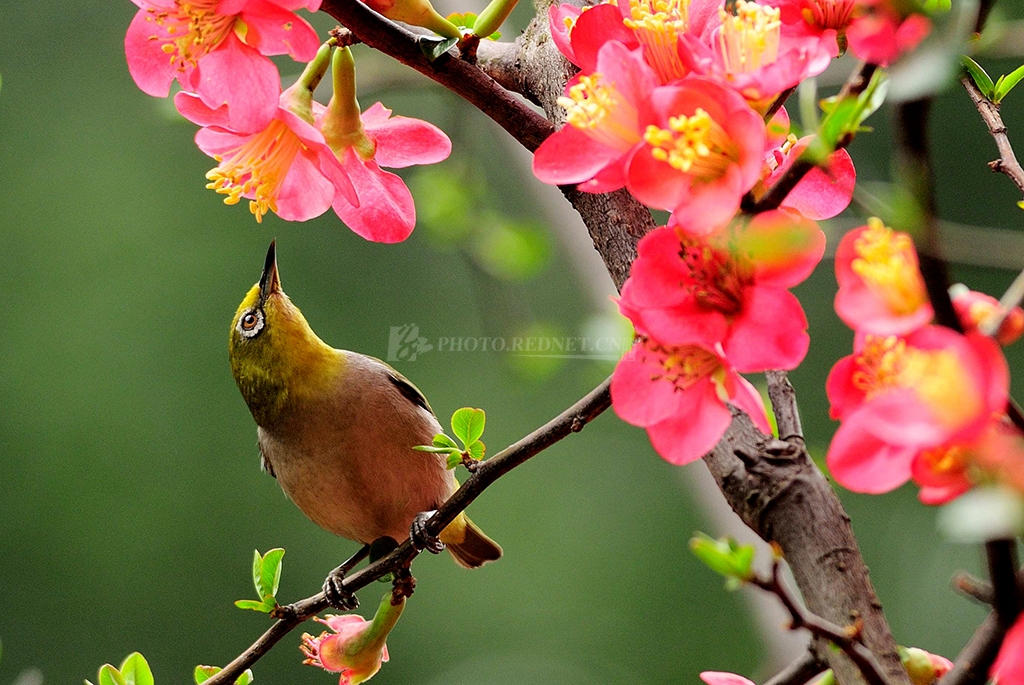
(276,358)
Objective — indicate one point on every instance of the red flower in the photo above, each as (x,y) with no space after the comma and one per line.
(285,167)
(974,309)
(381,208)
(911,405)
(881,290)
(678,393)
(748,50)
(1008,668)
(703,148)
(729,288)
(216,48)
(602,123)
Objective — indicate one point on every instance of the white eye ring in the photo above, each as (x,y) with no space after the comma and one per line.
(251,323)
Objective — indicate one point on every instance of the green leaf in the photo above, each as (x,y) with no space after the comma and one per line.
(468,424)
(1007,83)
(135,670)
(436,450)
(255,605)
(270,577)
(980,76)
(434,48)
(454,459)
(442,440)
(477,450)
(204,673)
(245,678)
(257,571)
(110,676)
(715,554)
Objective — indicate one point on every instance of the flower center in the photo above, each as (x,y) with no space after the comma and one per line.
(749,39)
(682,365)
(885,261)
(256,168)
(828,14)
(192,31)
(658,25)
(602,112)
(694,145)
(937,376)
(715,279)
(951,459)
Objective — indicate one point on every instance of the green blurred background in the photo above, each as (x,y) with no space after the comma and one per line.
(130,493)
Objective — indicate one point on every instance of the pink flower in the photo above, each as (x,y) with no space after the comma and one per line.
(881,290)
(723,678)
(702,149)
(823,193)
(653,26)
(875,30)
(344,650)
(729,288)
(679,394)
(381,208)
(216,48)
(923,667)
(910,406)
(602,122)
(285,167)
(974,309)
(747,50)
(1008,668)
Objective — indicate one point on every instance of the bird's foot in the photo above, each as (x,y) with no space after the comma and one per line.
(421,539)
(336,592)
(334,585)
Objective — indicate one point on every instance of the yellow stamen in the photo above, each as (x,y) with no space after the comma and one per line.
(936,376)
(658,25)
(749,39)
(598,109)
(192,31)
(695,145)
(829,14)
(886,262)
(257,167)
(946,460)
(682,366)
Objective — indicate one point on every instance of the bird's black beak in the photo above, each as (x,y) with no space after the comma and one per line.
(270,281)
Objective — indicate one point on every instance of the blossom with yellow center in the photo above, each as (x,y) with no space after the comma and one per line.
(658,24)
(829,14)
(695,144)
(749,39)
(887,263)
(192,31)
(596,107)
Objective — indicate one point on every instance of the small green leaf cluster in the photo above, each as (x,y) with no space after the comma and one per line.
(725,556)
(468,427)
(996,90)
(266,577)
(204,673)
(134,671)
(844,116)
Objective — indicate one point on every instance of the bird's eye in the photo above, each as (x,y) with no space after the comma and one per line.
(251,323)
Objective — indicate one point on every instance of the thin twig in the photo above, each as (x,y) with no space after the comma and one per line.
(847,639)
(1002,569)
(572,420)
(989,111)
(457,75)
(784,404)
(805,667)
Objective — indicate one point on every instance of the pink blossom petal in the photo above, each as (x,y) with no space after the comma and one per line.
(770,332)
(386,213)
(1008,668)
(238,76)
(594,29)
(638,399)
(305,192)
(375,115)
(747,398)
(824,193)
(861,462)
(784,247)
(695,430)
(274,30)
(150,67)
(402,142)
(192,108)
(844,395)
(571,156)
(658,271)
(558,18)
(653,182)
(685,325)
(900,417)
(709,206)
(214,141)
(722,678)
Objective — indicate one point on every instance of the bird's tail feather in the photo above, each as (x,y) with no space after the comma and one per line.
(470,547)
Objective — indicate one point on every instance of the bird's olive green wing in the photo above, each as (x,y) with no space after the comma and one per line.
(408,390)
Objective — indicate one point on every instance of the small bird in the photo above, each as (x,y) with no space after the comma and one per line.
(337,430)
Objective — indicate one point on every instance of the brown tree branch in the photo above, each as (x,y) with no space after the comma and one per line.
(800,671)
(846,638)
(572,420)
